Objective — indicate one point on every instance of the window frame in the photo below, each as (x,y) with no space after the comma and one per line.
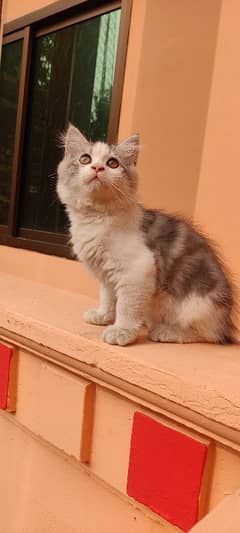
(55,16)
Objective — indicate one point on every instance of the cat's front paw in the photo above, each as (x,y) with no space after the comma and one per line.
(93,316)
(122,336)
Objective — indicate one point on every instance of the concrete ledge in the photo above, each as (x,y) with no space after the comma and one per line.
(225,518)
(201,378)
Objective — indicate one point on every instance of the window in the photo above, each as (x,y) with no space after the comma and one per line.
(69,70)
(9,90)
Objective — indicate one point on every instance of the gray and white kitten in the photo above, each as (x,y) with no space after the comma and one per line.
(154,269)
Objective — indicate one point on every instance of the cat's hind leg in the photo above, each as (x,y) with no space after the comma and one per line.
(194,319)
(173,334)
(205,319)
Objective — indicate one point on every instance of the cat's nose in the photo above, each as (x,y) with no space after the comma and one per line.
(97,169)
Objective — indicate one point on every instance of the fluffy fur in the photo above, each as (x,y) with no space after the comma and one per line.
(154,269)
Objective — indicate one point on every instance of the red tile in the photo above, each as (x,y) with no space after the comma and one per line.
(6,354)
(165,471)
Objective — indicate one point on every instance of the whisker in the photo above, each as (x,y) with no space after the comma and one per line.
(54,201)
(53,175)
(60,139)
(124,195)
(114,186)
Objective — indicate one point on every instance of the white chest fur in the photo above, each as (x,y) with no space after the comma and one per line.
(110,245)
(89,236)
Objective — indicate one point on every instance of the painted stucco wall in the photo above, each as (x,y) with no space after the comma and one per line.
(171,97)
(15,9)
(217,202)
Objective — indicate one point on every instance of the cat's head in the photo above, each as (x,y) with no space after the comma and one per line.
(97,173)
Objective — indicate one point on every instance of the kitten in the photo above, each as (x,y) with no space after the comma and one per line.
(155,269)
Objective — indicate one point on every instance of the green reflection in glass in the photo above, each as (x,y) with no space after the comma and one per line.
(89,109)
(9,87)
(104,74)
(46,117)
(72,79)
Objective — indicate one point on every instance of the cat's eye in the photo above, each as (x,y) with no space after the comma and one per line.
(85,159)
(113,163)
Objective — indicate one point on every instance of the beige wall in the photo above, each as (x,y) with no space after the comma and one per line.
(217,206)
(18,8)
(171,96)
(47,492)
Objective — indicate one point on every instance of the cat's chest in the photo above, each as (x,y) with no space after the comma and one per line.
(106,245)
(90,241)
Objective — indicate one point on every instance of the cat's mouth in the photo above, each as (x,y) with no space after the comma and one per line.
(95,181)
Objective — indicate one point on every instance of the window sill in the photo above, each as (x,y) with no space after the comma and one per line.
(198,383)
(38,241)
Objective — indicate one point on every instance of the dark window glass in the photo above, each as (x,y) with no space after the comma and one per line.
(72,79)
(9,87)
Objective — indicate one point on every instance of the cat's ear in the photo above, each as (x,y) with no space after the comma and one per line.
(74,141)
(128,150)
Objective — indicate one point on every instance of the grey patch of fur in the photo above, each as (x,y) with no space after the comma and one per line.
(194,267)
